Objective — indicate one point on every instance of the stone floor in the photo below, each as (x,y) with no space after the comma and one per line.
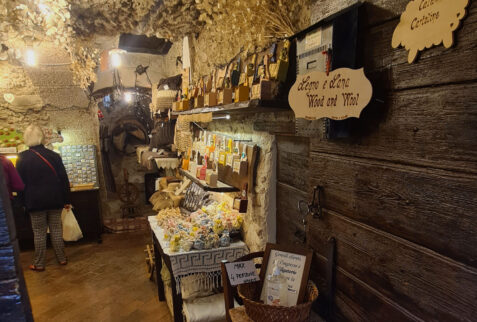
(102,282)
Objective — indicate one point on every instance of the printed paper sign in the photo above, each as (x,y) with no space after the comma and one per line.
(426,23)
(291,266)
(242,272)
(342,94)
(313,39)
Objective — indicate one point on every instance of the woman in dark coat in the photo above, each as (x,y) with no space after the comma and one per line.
(47,192)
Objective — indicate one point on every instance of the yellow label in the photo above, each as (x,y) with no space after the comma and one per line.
(222,157)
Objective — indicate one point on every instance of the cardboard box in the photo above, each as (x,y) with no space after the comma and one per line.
(184,105)
(210,99)
(242,93)
(265,90)
(199,101)
(224,96)
(211,178)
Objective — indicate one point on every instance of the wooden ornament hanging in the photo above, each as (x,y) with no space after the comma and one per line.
(427,23)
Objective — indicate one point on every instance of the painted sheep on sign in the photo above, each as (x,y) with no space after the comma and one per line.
(426,23)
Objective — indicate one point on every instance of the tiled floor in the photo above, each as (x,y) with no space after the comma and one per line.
(102,282)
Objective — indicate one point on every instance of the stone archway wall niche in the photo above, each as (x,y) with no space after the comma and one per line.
(260,220)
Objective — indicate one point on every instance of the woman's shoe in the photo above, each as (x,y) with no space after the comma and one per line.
(64,263)
(36,268)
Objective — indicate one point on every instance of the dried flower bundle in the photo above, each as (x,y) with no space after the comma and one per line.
(224,27)
(250,25)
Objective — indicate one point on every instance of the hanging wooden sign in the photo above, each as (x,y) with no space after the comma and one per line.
(426,23)
(342,94)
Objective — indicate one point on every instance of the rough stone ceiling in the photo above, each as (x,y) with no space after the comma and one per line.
(72,33)
(170,19)
(67,37)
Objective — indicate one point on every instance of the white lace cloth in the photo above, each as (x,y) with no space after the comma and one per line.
(167,163)
(198,261)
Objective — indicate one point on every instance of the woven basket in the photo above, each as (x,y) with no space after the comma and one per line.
(162,99)
(257,311)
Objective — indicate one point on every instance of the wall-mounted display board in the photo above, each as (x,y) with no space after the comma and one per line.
(427,23)
(230,175)
(80,163)
(232,162)
(330,44)
(311,47)
(341,94)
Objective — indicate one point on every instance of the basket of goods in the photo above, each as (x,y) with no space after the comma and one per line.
(209,227)
(258,311)
(162,100)
(284,292)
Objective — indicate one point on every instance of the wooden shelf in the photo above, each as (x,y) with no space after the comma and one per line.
(252,106)
(221,187)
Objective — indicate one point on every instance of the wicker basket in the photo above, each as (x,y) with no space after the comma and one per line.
(257,311)
(162,99)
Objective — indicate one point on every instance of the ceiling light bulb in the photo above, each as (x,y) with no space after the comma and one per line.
(128,97)
(30,58)
(115,60)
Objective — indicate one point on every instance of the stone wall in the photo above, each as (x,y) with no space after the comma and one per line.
(47,95)
(78,125)
(259,221)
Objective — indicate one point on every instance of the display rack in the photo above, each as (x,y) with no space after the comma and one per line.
(221,187)
(255,106)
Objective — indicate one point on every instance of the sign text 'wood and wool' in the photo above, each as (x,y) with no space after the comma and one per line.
(341,94)
(427,23)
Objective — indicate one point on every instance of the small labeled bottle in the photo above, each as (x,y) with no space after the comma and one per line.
(277,287)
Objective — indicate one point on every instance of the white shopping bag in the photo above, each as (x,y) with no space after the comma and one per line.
(71,229)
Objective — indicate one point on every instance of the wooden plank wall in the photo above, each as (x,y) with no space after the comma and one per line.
(400,195)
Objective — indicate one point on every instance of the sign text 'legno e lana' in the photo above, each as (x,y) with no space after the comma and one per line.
(427,23)
(341,94)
